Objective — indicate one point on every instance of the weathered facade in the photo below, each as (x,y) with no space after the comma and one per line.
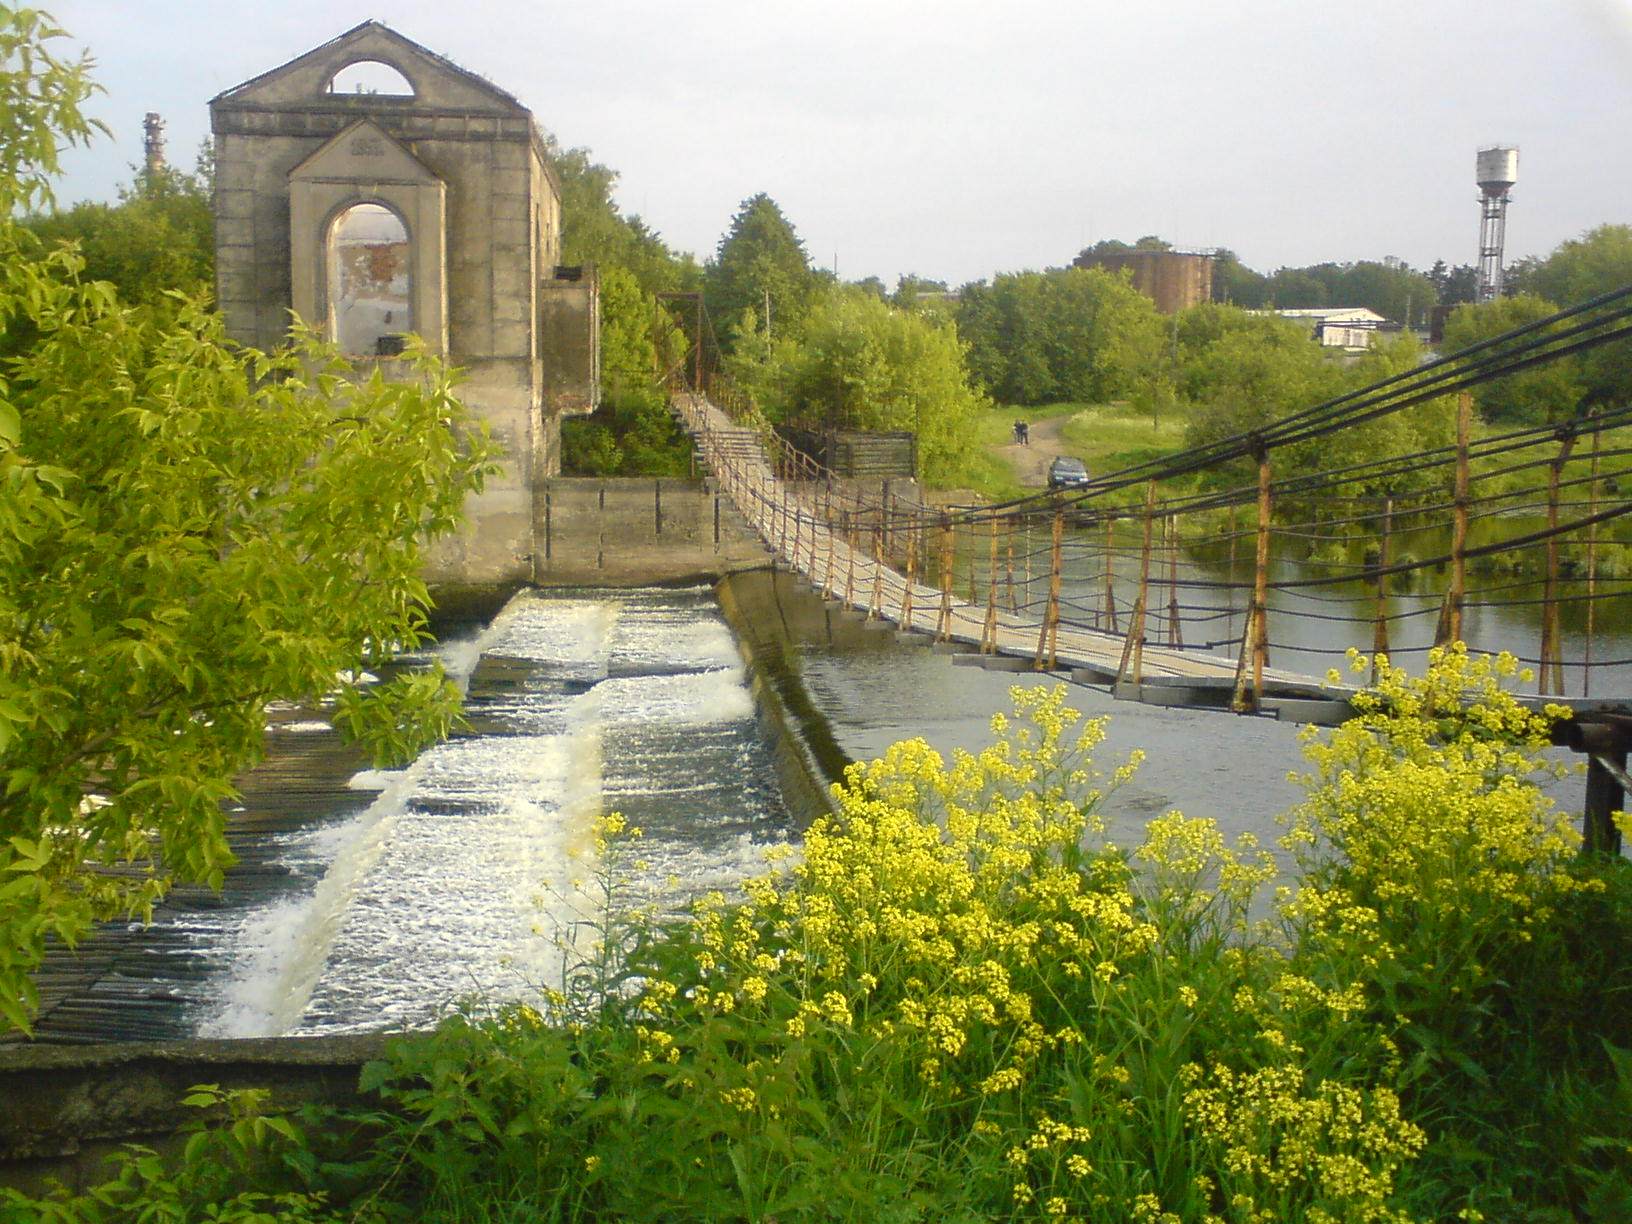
(1174,280)
(426,206)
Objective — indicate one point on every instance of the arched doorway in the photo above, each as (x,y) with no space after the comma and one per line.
(370,281)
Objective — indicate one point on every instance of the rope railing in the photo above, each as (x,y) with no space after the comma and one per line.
(1120,584)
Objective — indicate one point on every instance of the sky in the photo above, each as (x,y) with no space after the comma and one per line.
(955,140)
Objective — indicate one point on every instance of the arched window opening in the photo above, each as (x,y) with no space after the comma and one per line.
(371,77)
(370,283)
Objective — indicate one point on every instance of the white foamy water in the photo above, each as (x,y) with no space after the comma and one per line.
(462,873)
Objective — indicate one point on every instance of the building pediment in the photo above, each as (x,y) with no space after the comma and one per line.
(363,153)
(438,83)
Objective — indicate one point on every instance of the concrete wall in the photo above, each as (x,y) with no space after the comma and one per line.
(68,1107)
(634,531)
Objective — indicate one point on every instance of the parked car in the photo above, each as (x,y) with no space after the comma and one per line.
(1067,472)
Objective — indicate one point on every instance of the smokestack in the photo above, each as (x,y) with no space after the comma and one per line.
(153,143)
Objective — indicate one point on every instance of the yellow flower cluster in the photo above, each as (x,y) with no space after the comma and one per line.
(1277,1137)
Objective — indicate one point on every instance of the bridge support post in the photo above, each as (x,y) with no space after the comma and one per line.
(988,631)
(943,627)
(1008,539)
(1255,641)
(1592,558)
(1379,632)
(912,571)
(1110,625)
(1048,638)
(1450,616)
(875,605)
(1133,647)
(1551,679)
(1175,632)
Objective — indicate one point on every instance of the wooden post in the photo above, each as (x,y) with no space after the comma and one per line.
(1028,561)
(1551,679)
(1110,575)
(657,507)
(988,631)
(781,505)
(828,587)
(798,528)
(875,606)
(912,571)
(1450,616)
(1592,559)
(1048,637)
(1008,542)
(850,570)
(1605,796)
(1379,633)
(943,627)
(1175,633)
(1136,629)
(1255,641)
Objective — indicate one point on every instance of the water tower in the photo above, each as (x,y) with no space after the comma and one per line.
(1496,170)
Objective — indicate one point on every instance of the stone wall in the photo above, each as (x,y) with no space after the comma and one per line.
(636,531)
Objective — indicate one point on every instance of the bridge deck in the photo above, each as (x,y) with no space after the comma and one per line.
(785,513)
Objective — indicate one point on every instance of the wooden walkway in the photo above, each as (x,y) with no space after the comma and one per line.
(793,520)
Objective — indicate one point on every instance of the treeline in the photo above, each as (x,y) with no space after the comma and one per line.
(807,350)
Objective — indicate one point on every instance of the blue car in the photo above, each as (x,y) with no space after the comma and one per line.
(1067,472)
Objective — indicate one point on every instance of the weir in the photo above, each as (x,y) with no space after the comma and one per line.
(381,899)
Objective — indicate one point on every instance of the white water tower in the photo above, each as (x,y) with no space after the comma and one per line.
(1496,169)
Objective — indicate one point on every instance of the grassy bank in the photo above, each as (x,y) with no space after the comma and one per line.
(1106,437)
(962,1003)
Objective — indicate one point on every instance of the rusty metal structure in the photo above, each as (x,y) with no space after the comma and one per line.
(1174,280)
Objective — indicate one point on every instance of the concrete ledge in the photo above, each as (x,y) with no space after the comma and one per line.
(1319,713)
(1005,663)
(68,1106)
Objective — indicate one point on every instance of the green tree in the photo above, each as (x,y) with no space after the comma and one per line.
(1236,284)
(188,531)
(595,231)
(632,432)
(1549,392)
(760,265)
(866,365)
(1255,370)
(1595,263)
(159,237)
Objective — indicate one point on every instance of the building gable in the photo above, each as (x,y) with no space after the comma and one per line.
(363,152)
(438,83)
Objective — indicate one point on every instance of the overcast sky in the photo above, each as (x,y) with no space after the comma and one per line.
(956,139)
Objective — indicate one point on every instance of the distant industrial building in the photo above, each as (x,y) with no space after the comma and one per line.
(1351,328)
(1174,280)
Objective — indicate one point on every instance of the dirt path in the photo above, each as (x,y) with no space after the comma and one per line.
(1030,463)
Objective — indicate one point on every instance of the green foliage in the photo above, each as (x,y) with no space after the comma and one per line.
(188,531)
(159,238)
(595,231)
(1549,392)
(633,433)
(962,1003)
(864,364)
(41,96)
(1244,371)
(760,263)
(1595,263)
(1067,334)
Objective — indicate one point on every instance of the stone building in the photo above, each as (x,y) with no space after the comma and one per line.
(376,189)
